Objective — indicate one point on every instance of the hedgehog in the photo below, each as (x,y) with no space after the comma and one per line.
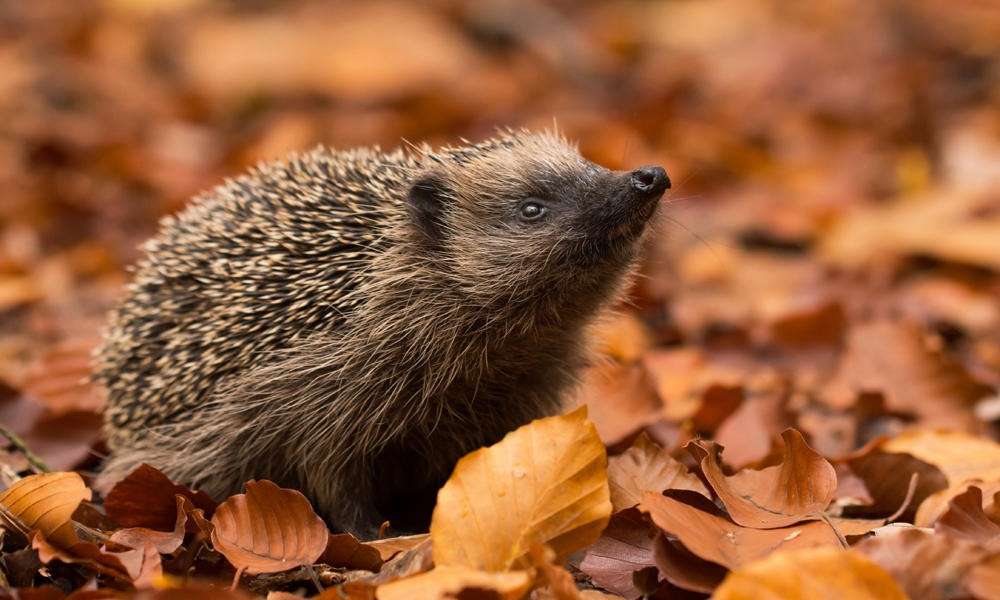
(350,323)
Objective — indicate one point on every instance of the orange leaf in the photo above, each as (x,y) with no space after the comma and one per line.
(645,467)
(45,502)
(447,582)
(714,538)
(808,574)
(390,547)
(799,488)
(544,483)
(268,529)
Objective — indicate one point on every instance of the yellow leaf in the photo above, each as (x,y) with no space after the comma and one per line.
(268,529)
(809,574)
(544,483)
(446,582)
(45,502)
(960,456)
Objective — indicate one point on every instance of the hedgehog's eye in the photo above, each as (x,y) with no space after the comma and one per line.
(532,210)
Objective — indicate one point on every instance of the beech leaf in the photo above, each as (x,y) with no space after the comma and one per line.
(45,503)
(268,529)
(800,488)
(715,538)
(808,574)
(645,467)
(449,582)
(544,483)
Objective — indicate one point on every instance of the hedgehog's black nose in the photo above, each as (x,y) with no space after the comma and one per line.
(650,180)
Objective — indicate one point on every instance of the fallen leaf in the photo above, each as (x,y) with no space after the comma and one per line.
(960,456)
(685,570)
(936,504)
(966,520)
(715,538)
(800,488)
(625,546)
(268,529)
(90,555)
(165,542)
(545,483)
(147,498)
(748,433)
(45,503)
(389,547)
(808,574)
(558,582)
(645,467)
(927,566)
(893,358)
(345,551)
(984,579)
(620,399)
(448,582)
(887,478)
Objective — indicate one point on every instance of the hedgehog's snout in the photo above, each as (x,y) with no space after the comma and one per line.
(650,181)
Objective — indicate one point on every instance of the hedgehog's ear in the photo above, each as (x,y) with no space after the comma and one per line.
(426,202)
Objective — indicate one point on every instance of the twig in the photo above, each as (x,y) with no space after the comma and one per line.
(36,463)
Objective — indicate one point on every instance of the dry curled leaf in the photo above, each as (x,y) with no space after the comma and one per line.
(645,467)
(799,488)
(808,574)
(45,503)
(715,538)
(965,519)
(165,542)
(389,547)
(147,498)
(268,529)
(449,582)
(544,483)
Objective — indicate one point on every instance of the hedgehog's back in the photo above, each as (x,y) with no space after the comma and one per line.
(245,270)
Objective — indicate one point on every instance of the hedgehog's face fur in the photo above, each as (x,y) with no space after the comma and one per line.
(524,215)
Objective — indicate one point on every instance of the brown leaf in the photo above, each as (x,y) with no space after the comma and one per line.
(984,579)
(45,503)
(389,547)
(799,488)
(936,504)
(748,433)
(620,399)
(448,582)
(268,529)
(927,566)
(546,483)
(685,570)
(808,574)
(165,542)
(88,554)
(960,456)
(345,551)
(715,538)
(625,546)
(645,467)
(894,359)
(887,478)
(966,520)
(147,498)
